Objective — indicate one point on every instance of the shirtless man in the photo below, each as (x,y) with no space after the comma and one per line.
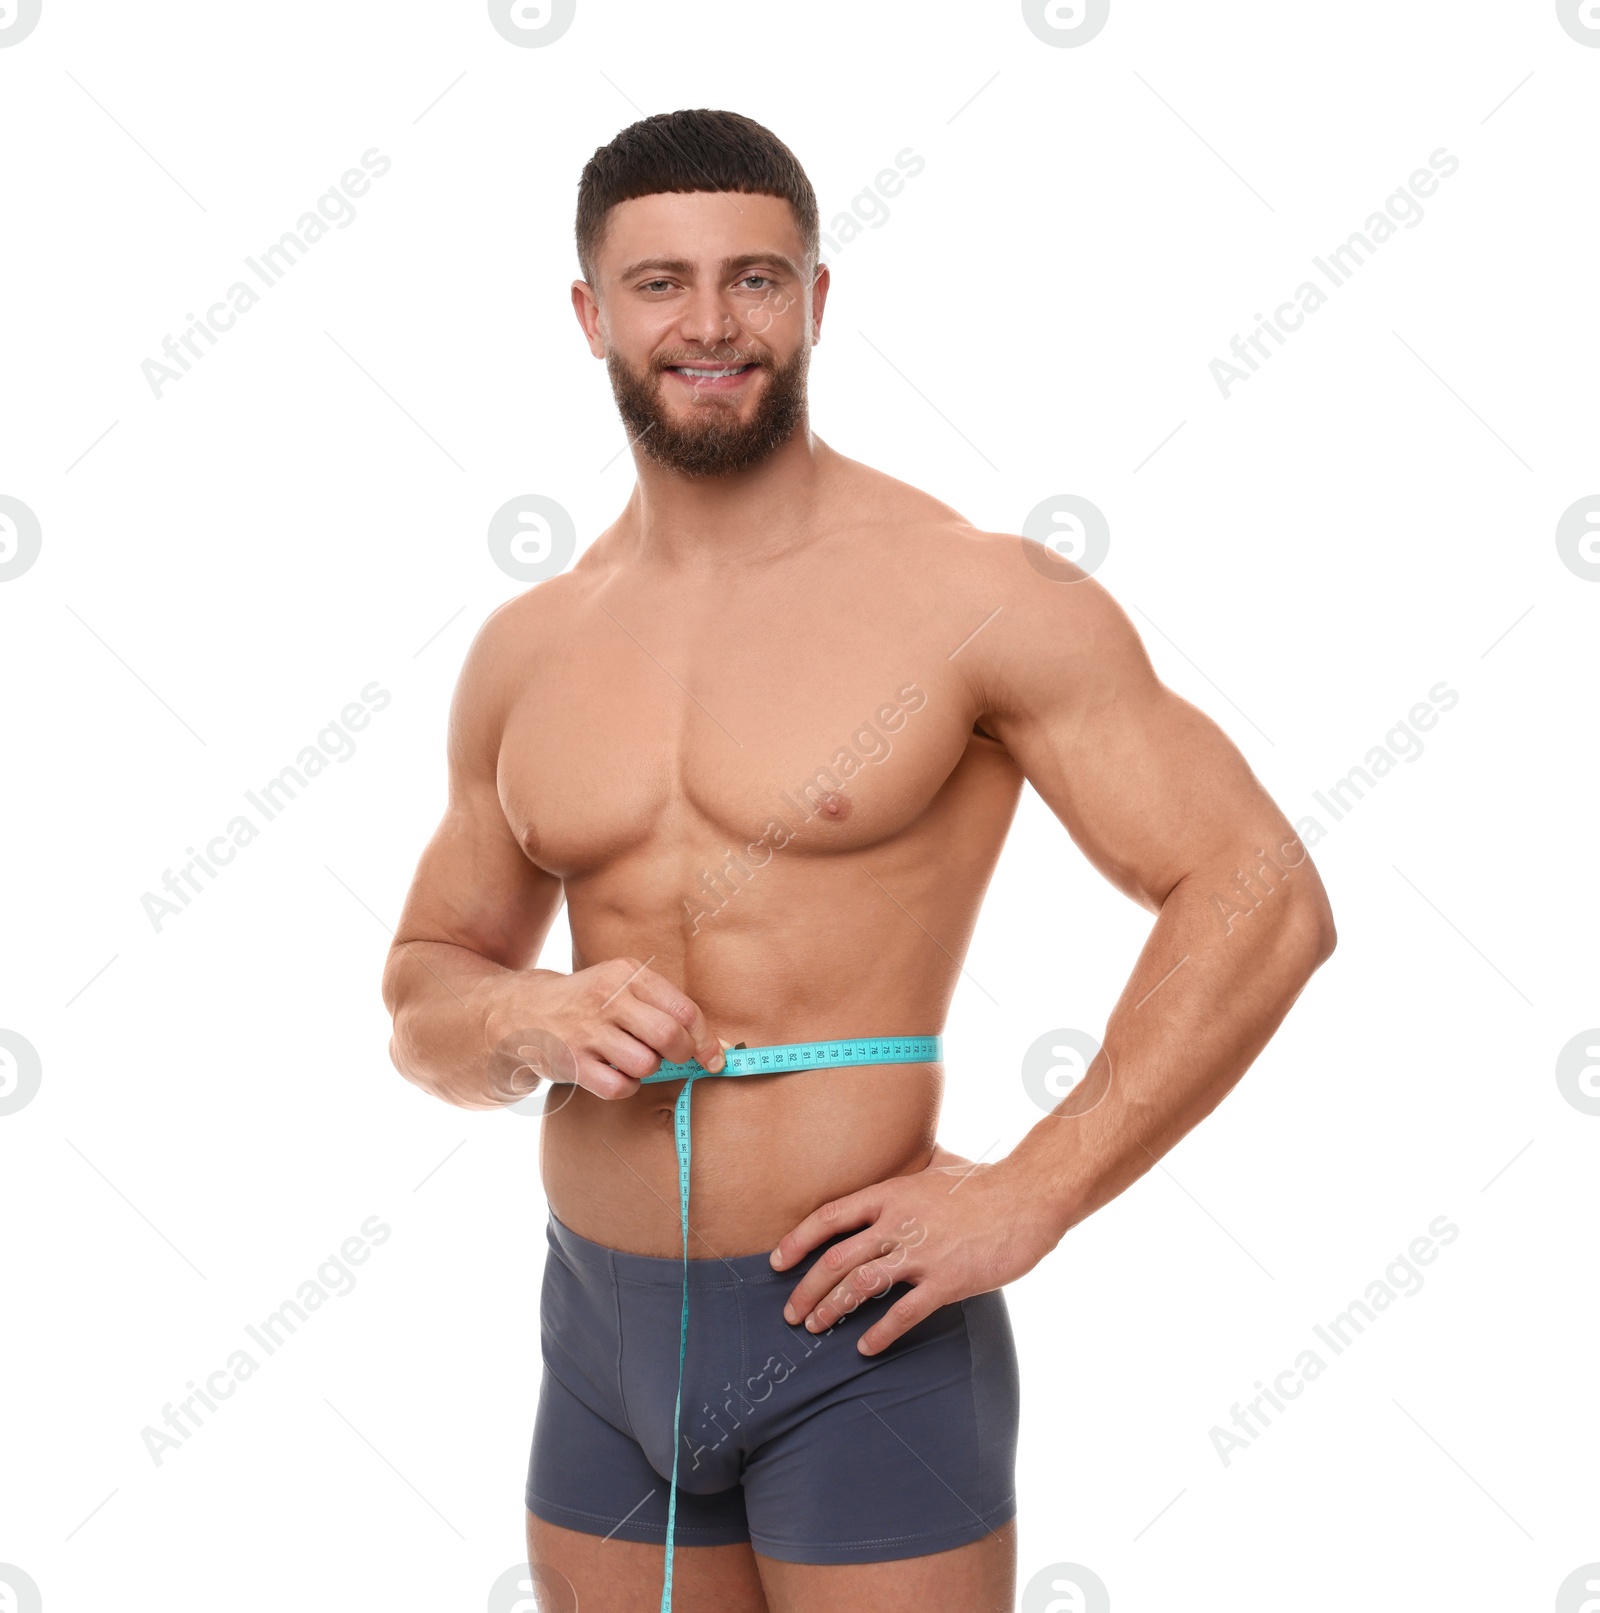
(767,737)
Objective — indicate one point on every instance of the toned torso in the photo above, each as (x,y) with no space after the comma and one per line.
(669,754)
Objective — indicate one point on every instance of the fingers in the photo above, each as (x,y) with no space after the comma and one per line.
(869,1265)
(657,1030)
(842,1276)
(630,1055)
(837,1215)
(631,1020)
(598,1077)
(900,1317)
(690,1036)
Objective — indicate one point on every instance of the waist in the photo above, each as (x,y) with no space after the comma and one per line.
(793,1058)
(768,1149)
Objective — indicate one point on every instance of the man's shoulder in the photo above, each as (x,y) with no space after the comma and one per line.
(902,514)
(902,508)
(1023,612)
(889,503)
(516,627)
(511,643)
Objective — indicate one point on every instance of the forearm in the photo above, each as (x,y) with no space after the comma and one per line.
(1212,984)
(451,1006)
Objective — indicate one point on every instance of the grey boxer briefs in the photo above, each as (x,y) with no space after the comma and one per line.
(793,1441)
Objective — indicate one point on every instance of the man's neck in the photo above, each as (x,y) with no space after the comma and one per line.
(689,523)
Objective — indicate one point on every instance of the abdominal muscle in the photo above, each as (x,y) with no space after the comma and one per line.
(801,954)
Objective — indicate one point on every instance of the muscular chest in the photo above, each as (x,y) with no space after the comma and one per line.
(631,737)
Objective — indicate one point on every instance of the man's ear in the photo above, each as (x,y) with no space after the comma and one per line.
(819,297)
(587,308)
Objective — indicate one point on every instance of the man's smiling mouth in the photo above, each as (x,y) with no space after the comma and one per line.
(706,372)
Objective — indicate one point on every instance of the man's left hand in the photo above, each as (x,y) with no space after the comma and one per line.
(951,1230)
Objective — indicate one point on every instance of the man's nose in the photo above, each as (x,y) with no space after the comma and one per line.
(708,321)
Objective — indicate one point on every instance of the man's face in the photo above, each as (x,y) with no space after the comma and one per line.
(692,287)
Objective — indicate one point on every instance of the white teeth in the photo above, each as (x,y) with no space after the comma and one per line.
(708,375)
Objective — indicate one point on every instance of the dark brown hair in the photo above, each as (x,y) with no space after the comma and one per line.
(697,150)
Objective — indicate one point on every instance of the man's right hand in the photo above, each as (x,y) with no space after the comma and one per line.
(601,1028)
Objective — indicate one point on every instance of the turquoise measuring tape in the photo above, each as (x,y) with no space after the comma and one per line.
(775,1060)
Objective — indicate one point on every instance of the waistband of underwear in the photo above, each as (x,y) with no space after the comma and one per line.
(658,1271)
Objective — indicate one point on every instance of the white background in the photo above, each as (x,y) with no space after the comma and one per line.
(226,567)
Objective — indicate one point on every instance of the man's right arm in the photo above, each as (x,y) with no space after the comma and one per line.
(460,979)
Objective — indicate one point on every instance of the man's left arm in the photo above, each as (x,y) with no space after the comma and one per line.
(1163,804)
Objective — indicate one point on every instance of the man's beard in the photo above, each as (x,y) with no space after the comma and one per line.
(711,440)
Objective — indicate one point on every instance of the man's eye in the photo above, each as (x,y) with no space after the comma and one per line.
(749,277)
(650,285)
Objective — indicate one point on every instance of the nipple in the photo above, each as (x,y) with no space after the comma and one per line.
(836,806)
